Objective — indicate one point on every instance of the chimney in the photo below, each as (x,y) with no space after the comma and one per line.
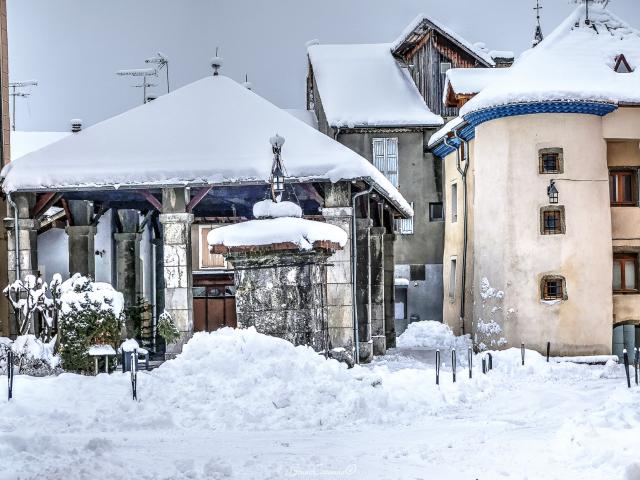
(76,125)
(216,63)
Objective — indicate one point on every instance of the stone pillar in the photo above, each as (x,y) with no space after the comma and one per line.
(128,270)
(363,289)
(389,290)
(82,257)
(377,291)
(178,279)
(28,245)
(339,295)
(159,264)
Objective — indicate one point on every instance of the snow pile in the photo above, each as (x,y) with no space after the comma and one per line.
(432,335)
(363,85)
(575,62)
(469,81)
(270,209)
(29,347)
(301,232)
(77,290)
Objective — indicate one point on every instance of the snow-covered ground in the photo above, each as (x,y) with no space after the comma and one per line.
(237,404)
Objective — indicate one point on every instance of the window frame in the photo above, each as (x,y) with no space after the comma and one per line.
(432,218)
(622,258)
(559,152)
(544,295)
(454,202)
(453,267)
(201,250)
(556,209)
(386,158)
(405,226)
(618,174)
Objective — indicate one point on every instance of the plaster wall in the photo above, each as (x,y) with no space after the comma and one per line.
(511,255)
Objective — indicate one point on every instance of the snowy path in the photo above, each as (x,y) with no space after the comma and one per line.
(541,421)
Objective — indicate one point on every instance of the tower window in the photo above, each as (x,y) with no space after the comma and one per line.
(553,287)
(622,187)
(552,220)
(551,160)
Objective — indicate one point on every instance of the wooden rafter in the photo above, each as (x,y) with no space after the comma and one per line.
(67,211)
(197,198)
(157,204)
(44,203)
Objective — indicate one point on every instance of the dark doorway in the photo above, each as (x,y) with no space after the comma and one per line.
(214,302)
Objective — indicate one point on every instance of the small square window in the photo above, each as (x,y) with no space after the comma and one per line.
(436,212)
(551,160)
(622,187)
(552,221)
(553,288)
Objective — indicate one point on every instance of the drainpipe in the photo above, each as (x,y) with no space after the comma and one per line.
(16,234)
(465,236)
(354,264)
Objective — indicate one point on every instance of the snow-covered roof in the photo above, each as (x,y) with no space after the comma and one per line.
(272,231)
(574,63)
(23,143)
(364,85)
(210,132)
(469,81)
(420,25)
(448,127)
(307,116)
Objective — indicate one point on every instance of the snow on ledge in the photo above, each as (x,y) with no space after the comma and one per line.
(270,209)
(101,350)
(301,232)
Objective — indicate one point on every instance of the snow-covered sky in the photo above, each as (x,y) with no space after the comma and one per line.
(74,47)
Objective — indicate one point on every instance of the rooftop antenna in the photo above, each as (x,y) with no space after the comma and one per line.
(141,72)
(247,84)
(538,36)
(162,62)
(216,63)
(16,92)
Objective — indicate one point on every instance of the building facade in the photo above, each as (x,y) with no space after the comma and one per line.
(384,102)
(552,197)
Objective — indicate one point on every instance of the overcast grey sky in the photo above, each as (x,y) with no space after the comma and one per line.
(74,47)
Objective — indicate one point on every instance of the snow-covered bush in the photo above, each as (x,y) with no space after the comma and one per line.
(90,314)
(31,356)
(167,328)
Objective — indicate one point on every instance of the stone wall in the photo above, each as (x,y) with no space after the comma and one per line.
(282,294)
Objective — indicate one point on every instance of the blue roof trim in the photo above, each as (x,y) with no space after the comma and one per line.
(442,150)
(588,108)
(516,109)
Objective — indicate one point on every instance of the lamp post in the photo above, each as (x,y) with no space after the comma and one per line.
(278,175)
(552,192)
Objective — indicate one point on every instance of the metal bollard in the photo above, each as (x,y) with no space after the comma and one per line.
(484,366)
(548,350)
(522,352)
(636,363)
(453,364)
(10,373)
(490,362)
(470,355)
(134,374)
(437,367)
(626,366)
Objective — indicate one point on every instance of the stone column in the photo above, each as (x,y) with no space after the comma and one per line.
(159,286)
(178,279)
(363,289)
(377,291)
(339,295)
(82,257)
(389,290)
(127,270)
(28,245)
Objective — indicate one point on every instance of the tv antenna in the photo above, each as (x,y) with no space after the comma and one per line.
(141,72)
(162,62)
(16,91)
